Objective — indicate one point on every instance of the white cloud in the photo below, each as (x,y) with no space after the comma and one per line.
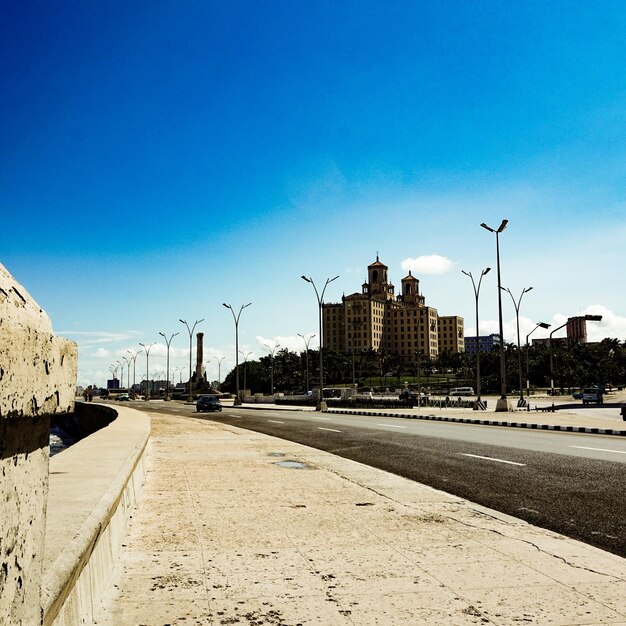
(431,264)
(293,344)
(612,326)
(102,353)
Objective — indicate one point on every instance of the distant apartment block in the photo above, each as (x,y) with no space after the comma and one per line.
(378,319)
(486,343)
(576,330)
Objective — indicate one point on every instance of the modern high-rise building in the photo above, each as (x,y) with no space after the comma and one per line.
(401,325)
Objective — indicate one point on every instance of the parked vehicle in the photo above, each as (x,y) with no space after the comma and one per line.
(208,403)
(592,394)
(123,397)
(462,391)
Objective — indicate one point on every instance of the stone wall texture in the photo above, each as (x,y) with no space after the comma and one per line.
(37,380)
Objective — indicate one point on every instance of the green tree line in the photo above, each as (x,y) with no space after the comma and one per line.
(573,366)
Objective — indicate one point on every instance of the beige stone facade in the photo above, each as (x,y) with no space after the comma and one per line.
(451,334)
(380,320)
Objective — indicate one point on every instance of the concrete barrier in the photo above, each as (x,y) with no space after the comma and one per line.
(94,486)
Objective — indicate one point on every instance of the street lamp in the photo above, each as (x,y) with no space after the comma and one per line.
(219,372)
(168,342)
(147,351)
(272,352)
(127,361)
(479,405)
(587,318)
(520,402)
(321,405)
(190,330)
(307,341)
(121,373)
(503,403)
(236,319)
(245,367)
(133,356)
(539,325)
(180,373)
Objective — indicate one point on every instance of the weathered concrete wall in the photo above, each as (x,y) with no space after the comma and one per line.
(37,379)
(94,486)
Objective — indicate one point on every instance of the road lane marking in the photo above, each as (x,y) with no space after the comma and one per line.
(600,449)
(391,425)
(320,418)
(275,422)
(332,430)
(489,458)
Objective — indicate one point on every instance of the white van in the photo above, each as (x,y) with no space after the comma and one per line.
(462,391)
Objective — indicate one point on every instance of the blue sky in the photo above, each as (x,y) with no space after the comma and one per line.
(159,159)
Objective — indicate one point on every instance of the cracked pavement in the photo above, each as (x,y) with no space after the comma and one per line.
(225,534)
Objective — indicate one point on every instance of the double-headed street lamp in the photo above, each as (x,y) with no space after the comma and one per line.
(168,342)
(503,403)
(320,302)
(307,341)
(219,372)
(133,358)
(245,367)
(587,318)
(190,330)
(539,325)
(147,351)
(516,304)
(236,319)
(480,406)
(272,351)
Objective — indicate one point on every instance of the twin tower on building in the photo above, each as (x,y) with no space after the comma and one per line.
(400,325)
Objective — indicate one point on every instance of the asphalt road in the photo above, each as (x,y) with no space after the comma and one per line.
(573,484)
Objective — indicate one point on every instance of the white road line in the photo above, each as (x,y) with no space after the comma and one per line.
(391,425)
(488,458)
(275,422)
(321,418)
(600,449)
(332,430)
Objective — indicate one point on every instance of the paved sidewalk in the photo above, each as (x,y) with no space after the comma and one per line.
(236,527)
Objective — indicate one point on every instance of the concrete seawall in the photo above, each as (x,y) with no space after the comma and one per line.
(94,486)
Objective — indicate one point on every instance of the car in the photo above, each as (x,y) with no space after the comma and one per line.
(208,403)
(123,397)
(577,395)
(592,394)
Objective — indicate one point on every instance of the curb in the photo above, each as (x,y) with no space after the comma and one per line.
(466,420)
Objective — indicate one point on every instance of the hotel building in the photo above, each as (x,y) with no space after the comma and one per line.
(378,319)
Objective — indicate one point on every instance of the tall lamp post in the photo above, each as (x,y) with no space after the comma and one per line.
(167,343)
(521,402)
(272,351)
(479,405)
(219,371)
(587,318)
(502,404)
(236,320)
(127,361)
(245,367)
(307,341)
(321,405)
(539,325)
(133,357)
(190,331)
(121,373)
(147,351)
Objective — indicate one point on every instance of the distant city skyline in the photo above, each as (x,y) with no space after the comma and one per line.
(159,160)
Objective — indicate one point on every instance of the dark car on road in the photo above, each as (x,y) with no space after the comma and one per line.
(208,403)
